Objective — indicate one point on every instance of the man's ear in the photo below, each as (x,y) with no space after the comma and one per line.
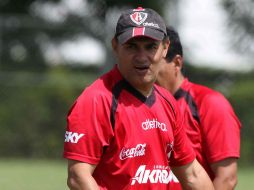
(178,61)
(166,45)
(114,44)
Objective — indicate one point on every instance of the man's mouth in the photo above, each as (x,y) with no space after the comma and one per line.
(142,67)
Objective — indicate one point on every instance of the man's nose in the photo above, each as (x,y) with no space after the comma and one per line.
(141,55)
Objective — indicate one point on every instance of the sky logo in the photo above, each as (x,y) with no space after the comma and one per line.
(72,137)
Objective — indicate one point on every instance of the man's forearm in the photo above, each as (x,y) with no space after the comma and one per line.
(193,177)
(80,176)
(224,184)
(81,183)
(199,181)
(225,172)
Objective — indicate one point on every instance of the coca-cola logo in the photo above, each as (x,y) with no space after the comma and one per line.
(139,150)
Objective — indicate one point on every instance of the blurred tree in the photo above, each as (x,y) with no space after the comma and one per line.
(29,27)
(17,29)
(241,17)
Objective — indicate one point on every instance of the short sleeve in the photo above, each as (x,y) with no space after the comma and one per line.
(220,128)
(183,152)
(88,128)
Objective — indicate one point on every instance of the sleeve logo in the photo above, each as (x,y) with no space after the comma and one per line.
(72,137)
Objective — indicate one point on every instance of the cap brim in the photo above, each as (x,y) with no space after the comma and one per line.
(148,32)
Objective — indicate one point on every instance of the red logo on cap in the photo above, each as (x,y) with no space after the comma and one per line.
(138,17)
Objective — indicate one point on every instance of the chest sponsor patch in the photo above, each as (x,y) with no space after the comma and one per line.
(153,124)
(139,150)
(159,174)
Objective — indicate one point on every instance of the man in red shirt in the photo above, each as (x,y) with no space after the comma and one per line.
(123,132)
(211,124)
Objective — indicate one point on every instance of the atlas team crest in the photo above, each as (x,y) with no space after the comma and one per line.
(138,17)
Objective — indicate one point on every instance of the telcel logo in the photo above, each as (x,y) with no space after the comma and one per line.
(72,137)
(153,124)
(151,24)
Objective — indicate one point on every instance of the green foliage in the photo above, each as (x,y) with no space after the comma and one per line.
(33,111)
(25,34)
(243,100)
(240,17)
(156,5)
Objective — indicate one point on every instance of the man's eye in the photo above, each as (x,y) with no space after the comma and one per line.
(130,46)
(152,47)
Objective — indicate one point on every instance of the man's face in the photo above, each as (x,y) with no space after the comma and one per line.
(167,76)
(139,61)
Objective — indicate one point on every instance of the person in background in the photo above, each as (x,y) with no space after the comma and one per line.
(123,131)
(210,122)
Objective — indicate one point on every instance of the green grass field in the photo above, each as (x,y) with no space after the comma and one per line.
(32,175)
(51,175)
(245,179)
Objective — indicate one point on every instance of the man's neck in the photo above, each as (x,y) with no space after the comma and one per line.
(146,92)
(178,83)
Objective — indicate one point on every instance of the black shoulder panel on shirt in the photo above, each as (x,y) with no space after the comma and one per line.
(149,101)
(180,93)
(116,93)
(166,100)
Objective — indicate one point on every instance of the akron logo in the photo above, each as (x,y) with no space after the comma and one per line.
(138,17)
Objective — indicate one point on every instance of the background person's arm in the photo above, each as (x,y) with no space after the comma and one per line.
(80,176)
(225,174)
(193,177)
